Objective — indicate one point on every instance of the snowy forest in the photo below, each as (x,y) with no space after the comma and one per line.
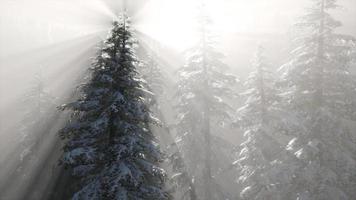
(178,100)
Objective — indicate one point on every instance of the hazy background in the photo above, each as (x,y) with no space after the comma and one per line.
(58,38)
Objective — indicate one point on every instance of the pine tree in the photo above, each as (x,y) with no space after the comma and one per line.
(203,89)
(181,183)
(320,90)
(110,146)
(258,118)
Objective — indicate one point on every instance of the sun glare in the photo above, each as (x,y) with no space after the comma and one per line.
(173,22)
(170,22)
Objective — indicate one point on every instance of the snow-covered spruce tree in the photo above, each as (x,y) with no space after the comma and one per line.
(203,87)
(181,183)
(320,90)
(257,117)
(110,147)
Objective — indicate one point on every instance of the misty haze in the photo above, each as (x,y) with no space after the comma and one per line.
(178,100)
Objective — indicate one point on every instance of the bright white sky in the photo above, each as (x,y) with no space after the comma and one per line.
(172,21)
(169,21)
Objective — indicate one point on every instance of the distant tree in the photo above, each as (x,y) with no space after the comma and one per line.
(110,146)
(181,183)
(203,90)
(319,88)
(38,106)
(258,117)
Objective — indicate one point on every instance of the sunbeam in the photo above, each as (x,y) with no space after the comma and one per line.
(177,99)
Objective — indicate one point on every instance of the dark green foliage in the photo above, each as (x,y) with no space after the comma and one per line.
(110,146)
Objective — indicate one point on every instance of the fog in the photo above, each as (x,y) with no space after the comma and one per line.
(49,45)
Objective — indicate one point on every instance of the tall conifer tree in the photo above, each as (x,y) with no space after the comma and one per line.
(181,183)
(258,117)
(110,146)
(203,88)
(320,90)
